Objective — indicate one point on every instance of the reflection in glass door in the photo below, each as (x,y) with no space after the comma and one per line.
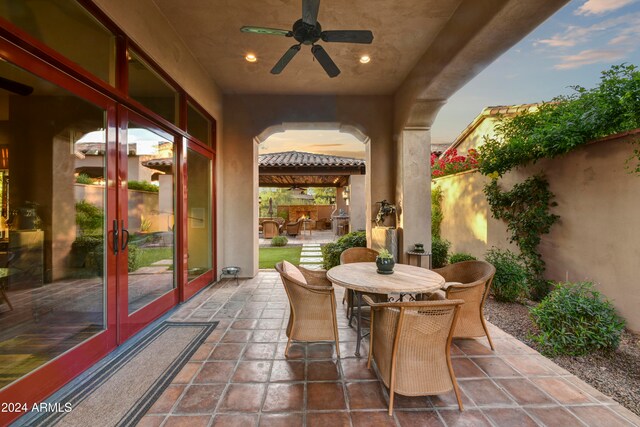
(199,236)
(53,206)
(148,234)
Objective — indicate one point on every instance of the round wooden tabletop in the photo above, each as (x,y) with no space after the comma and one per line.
(363,277)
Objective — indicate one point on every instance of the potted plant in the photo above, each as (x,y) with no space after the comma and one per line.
(385,262)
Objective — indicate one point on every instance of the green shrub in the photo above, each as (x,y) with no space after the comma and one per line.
(510,282)
(331,251)
(89,218)
(142,186)
(526,211)
(284,215)
(574,319)
(279,241)
(436,210)
(95,260)
(86,243)
(87,252)
(134,259)
(83,178)
(565,123)
(461,256)
(439,252)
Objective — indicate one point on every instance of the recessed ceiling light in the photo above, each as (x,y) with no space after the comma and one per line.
(251,57)
(364,59)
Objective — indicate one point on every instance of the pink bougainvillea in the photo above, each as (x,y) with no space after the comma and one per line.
(452,162)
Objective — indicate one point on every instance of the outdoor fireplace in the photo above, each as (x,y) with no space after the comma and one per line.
(298,211)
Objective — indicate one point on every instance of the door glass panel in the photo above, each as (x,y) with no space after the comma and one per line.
(151,199)
(199,214)
(52,221)
(69,29)
(151,90)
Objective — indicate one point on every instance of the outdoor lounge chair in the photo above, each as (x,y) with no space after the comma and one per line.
(313,305)
(469,281)
(270,229)
(293,228)
(349,256)
(410,343)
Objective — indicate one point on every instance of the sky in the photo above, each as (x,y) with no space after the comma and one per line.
(571,48)
(321,141)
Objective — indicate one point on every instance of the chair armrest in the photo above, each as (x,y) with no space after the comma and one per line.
(447,285)
(410,304)
(458,285)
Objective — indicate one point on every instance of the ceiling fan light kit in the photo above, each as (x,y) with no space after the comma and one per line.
(308,31)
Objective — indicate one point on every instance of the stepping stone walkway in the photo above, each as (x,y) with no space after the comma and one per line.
(311,257)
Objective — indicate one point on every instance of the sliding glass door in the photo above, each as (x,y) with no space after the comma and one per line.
(57,293)
(146,231)
(199,223)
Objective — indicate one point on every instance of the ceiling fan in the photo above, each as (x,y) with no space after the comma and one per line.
(295,187)
(308,31)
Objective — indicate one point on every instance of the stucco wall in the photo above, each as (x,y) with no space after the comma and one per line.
(596,238)
(246,116)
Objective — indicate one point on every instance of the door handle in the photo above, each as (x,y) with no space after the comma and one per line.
(115,237)
(125,236)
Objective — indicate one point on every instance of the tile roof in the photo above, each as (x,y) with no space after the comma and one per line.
(298,158)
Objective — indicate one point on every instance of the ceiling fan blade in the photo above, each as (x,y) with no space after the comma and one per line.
(286,58)
(325,60)
(15,87)
(310,11)
(263,30)
(348,36)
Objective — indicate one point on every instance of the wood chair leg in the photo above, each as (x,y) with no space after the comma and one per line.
(456,390)
(335,328)
(370,341)
(452,375)
(486,331)
(4,296)
(286,350)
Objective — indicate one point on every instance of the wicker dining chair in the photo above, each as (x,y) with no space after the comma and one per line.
(349,256)
(410,343)
(469,281)
(313,305)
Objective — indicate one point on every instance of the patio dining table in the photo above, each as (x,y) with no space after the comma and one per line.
(362,277)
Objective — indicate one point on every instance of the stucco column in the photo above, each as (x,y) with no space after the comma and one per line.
(413,195)
(357,202)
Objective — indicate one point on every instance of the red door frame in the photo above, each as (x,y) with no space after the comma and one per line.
(40,383)
(192,287)
(129,324)
(34,56)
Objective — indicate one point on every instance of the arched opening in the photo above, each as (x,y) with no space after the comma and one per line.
(312,188)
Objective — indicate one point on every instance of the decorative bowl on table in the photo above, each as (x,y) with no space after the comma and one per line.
(418,248)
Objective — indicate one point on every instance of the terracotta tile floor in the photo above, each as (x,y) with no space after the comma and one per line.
(240,377)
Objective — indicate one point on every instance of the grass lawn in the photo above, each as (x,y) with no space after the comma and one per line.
(269,257)
(150,255)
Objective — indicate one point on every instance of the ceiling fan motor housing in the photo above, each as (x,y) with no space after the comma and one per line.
(305,33)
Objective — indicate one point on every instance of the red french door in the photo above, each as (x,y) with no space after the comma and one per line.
(146,238)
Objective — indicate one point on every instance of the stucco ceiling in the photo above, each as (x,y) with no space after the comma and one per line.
(403,31)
